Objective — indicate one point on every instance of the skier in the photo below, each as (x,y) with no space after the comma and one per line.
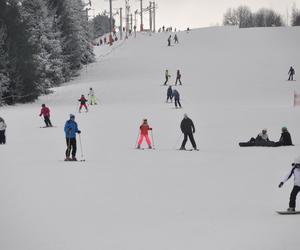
(296,172)
(163,28)
(2,131)
(285,139)
(169,94)
(167,76)
(83,102)
(188,129)
(71,128)
(291,74)
(176,96)
(169,40)
(178,77)
(176,39)
(144,128)
(92,97)
(45,111)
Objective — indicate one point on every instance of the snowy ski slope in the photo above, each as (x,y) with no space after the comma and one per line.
(220,198)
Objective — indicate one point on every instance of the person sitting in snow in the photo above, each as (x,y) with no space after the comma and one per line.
(83,102)
(144,129)
(285,138)
(296,189)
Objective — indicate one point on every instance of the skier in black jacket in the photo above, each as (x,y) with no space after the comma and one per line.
(188,129)
(169,94)
(291,74)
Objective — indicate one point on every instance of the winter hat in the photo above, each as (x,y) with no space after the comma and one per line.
(43,105)
(284,128)
(72,116)
(185,115)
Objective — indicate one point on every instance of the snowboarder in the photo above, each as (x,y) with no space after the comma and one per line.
(169,40)
(176,96)
(188,129)
(261,137)
(285,139)
(178,77)
(71,128)
(176,39)
(2,131)
(291,74)
(92,97)
(167,76)
(261,140)
(144,128)
(169,94)
(296,172)
(45,111)
(83,102)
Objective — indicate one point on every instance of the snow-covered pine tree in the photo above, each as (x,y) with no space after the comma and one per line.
(45,41)
(4,79)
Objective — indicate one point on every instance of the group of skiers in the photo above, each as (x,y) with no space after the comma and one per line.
(176,41)
(173,93)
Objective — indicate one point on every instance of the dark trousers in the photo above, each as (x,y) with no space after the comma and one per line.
(47,121)
(291,78)
(192,140)
(71,145)
(2,137)
(177,102)
(293,196)
(178,79)
(167,79)
(169,97)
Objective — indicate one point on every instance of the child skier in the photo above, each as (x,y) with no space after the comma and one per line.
(291,74)
(92,97)
(71,128)
(83,102)
(2,131)
(45,111)
(167,76)
(296,172)
(144,128)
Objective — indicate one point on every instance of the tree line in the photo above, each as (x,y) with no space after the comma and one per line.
(264,17)
(43,43)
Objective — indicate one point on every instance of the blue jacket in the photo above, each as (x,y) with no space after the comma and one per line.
(71,129)
(176,94)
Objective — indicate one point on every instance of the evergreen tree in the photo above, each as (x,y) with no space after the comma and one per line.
(4,79)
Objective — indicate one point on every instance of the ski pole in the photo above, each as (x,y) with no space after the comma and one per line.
(153,145)
(80,147)
(177,141)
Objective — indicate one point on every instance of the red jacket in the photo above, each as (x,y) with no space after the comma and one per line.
(144,129)
(45,111)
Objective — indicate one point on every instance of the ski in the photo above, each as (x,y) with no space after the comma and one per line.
(288,212)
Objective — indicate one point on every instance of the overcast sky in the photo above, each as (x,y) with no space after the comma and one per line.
(195,13)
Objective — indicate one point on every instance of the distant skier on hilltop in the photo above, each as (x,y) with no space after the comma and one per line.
(291,74)
(178,77)
(167,76)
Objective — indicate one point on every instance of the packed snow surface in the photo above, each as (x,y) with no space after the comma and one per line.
(221,198)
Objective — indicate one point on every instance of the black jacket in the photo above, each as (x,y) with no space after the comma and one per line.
(286,139)
(187,126)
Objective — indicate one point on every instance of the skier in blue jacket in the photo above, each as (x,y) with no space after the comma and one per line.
(71,128)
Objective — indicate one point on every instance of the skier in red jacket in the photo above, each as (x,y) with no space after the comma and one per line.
(45,111)
(144,128)
(83,102)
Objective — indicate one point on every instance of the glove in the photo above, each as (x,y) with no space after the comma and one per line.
(280,184)
(79,132)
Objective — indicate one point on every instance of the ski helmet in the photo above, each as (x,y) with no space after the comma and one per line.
(72,116)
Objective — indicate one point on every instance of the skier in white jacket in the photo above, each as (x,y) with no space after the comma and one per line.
(2,131)
(296,172)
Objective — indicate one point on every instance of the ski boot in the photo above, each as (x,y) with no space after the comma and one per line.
(68,158)
(138,147)
(182,148)
(291,209)
(150,147)
(73,158)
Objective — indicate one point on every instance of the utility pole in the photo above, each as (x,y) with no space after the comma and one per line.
(150,16)
(110,23)
(142,25)
(154,13)
(131,22)
(121,24)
